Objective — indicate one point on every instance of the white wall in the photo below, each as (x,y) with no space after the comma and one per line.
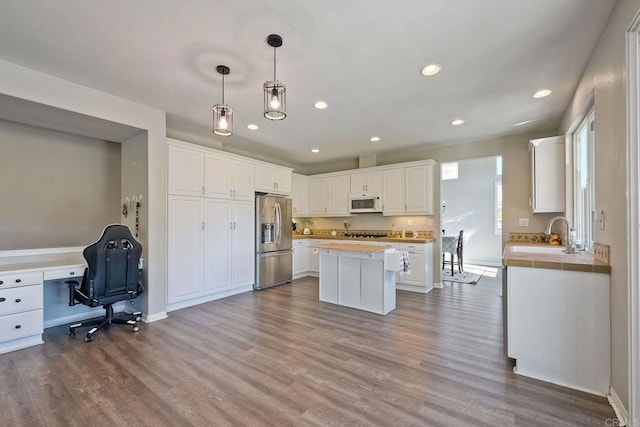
(27,84)
(470,207)
(604,79)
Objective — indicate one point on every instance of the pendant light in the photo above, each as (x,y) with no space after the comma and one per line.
(275,92)
(222,113)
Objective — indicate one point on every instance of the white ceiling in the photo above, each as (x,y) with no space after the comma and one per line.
(363,57)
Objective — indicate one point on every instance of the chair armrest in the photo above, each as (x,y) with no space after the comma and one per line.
(73,285)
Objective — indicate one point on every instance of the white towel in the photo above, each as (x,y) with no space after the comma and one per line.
(405,267)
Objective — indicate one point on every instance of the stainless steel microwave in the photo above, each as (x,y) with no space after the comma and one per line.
(365,202)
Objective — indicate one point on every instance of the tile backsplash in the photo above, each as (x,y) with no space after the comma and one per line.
(528,237)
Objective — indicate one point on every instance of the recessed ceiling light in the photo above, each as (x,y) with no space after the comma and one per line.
(457,122)
(252,126)
(523,123)
(320,105)
(431,70)
(374,139)
(542,93)
(315,150)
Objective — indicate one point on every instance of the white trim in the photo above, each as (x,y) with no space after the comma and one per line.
(42,251)
(117,308)
(208,298)
(438,285)
(20,343)
(618,407)
(633,214)
(148,318)
(413,288)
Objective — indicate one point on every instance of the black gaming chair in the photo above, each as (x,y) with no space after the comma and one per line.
(112,276)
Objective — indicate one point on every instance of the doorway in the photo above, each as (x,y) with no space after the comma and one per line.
(471,196)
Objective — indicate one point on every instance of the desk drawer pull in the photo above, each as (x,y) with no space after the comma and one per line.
(1,282)
(18,300)
(18,326)
(72,273)
(3,299)
(18,280)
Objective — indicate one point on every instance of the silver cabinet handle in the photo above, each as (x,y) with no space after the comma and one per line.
(231,225)
(203,189)
(202,225)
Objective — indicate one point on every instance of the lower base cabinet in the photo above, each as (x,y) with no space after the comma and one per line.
(420,279)
(211,249)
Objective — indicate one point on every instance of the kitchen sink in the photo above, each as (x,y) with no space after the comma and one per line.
(538,249)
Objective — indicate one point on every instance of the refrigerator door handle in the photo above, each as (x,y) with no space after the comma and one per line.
(278,223)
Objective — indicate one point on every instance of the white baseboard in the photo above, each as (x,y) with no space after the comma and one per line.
(207,298)
(554,380)
(437,285)
(117,307)
(413,288)
(618,407)
(481,262)
(20,343)
(148,318)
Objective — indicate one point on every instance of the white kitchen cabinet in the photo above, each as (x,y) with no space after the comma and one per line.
(301,259)
(547,174)
(558,326)
(299,195)
(273,179)
(408,190)
(185,248)
(420,279)
(186,171)
(329,196)
(366,182)
(228,179)
(314,258)
(211,248)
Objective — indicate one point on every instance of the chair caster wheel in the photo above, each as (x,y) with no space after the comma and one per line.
(136,328)
(88,338)
(138,318)
(72,332)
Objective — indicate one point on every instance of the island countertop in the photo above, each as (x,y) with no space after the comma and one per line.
(363,239)
(353,247)
(582,261)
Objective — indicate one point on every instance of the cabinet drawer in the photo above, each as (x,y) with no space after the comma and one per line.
(24,298)
(411,247)
(66,273)
(20,325)
(300,243)
(20,279)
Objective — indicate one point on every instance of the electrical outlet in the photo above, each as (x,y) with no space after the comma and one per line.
(430,222)
(409,222)
(523,222)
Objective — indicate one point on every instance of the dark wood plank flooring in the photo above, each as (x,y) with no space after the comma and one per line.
(280,357)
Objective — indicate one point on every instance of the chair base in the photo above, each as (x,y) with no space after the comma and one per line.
(126,319)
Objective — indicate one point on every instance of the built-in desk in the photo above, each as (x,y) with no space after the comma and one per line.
(27,306)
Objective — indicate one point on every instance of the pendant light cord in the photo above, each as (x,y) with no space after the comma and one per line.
(222,88)
(274,64)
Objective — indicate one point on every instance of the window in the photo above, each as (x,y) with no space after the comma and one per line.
(583,181)
(499,165)
(497,223)
(449,171)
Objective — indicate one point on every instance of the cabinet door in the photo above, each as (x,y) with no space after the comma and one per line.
(298,195)
(264,179)
(217,254)
(548,175)
(393,192)
(242,183)
(417,194)
(186,171)
(317,196)
(338,200)
(358,183)
(374,182)
(185,246)
(418,267)
(314,258)
(300,260)
(243,248)
(217,182)
(282,179)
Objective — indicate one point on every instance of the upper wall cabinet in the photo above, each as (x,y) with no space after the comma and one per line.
(548,172)
(197,172)
(273,179)
(408,190)
(329,195)
(366,182)
(299,195)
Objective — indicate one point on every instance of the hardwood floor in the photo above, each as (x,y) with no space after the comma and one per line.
(280,357)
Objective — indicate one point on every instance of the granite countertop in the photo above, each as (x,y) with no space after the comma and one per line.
(363,239)
(353,247)
(582,261)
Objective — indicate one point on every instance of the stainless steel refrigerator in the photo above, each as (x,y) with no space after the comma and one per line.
(273,241)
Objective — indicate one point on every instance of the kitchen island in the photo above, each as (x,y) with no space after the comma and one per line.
(361,276)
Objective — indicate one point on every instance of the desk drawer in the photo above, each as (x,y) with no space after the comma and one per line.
(20,279)
(66,273)
(20,325)
(16,300)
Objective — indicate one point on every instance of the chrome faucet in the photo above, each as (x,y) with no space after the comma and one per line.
(570,246)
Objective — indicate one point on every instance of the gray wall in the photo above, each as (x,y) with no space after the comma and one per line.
(470,207)
(57,189)
(604,78)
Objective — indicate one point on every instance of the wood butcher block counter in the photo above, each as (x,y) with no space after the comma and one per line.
(359,276)
(582,261)
(361,239)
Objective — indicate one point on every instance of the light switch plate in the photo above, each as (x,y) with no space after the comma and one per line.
(409,222)
(429,222)
(523,222)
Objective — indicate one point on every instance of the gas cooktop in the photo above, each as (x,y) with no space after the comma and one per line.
(365,235)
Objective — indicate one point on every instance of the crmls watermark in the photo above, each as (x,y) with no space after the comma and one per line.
(614,422)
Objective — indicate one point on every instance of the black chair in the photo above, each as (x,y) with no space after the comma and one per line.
(112,275)
(458,255)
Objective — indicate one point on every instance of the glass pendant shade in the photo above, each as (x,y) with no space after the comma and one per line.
(275,100)
(222,120)
(222,113)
